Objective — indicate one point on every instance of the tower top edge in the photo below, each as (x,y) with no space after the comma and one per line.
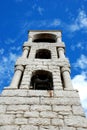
(44,31)
(57,33)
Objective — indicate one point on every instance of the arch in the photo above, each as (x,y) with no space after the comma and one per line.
(42,80)
(43,54)
(45,37)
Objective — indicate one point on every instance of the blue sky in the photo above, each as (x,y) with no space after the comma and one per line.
(70,16)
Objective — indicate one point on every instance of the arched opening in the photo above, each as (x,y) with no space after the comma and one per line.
(44,37)
(42,80)
(43,54)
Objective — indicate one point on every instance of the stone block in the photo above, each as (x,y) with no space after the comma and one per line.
(48,114)
(3,109)
(65,113)
(67,128)
(31,114)
(16,93)
(19,115)
(21,121)
(57,122)
(39,121)
(75,121)
(59,108)
(36,93)
(17,108)
(40,108)
(48,128)
(6,119)
(65,94)
(60,101)
(29,127)
(77,110)
(19,100)
(9,127)
(14,112)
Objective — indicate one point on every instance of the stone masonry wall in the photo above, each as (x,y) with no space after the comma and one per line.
(23,109)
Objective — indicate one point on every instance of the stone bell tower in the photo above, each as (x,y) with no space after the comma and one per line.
(41,95)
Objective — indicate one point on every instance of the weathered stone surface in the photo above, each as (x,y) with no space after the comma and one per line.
(49,128)
(15,92)
(59,108)
(21,121)
(48,114)
(19,115)
(17,107)
(81,128)
(40,108)
(31,114)
(64,113)
(29,127)
(37,93)
(3,108)
(39,121)
(67,128)
(75,121)
(77,110)
(60,101)
(9,127)
(19,100)
(64,93)
(57,122)
(6,119)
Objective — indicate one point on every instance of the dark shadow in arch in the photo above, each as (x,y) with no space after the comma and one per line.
(42,80)
(45,37)
(43,54)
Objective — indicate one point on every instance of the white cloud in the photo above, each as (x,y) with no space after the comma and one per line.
(41,23)
(80,83)
(7,68)
(80,22)
(4,59)
(9,41)
(74,27)
(1,51)
(54,23)
(40,10)
(15,48)
(12,57)
(49,23)
(80,45)
(81,62)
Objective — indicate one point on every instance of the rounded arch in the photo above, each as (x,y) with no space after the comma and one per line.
(45,37)
(43,54)
(42,80)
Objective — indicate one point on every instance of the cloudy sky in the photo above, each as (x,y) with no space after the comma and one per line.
(70,16)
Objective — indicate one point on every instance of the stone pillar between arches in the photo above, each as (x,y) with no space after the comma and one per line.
(25,52)
(61,52)
(66,78)
(17,77)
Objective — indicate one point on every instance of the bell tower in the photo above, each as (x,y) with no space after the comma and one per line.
(41,95)
(43,65)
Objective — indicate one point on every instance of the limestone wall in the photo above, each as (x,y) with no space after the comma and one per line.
(23,109)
